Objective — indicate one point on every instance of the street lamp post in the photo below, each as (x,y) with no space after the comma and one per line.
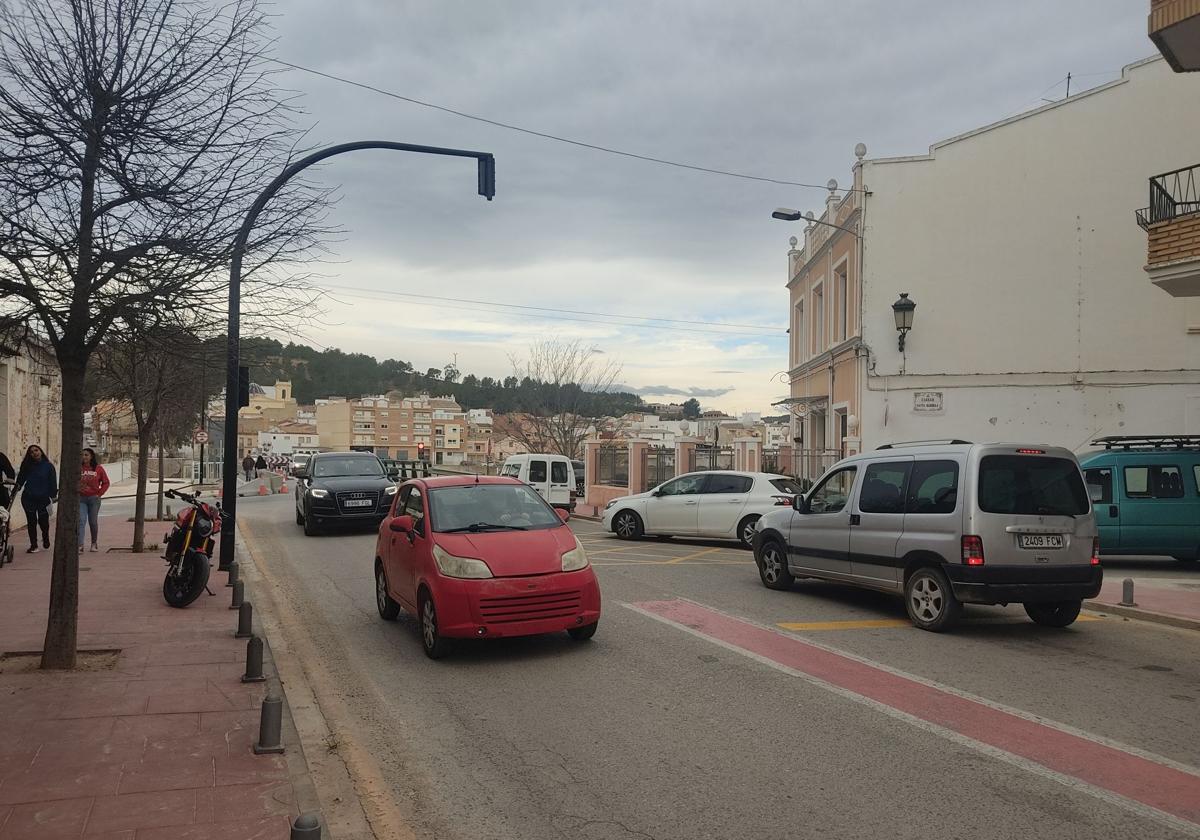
(487,189)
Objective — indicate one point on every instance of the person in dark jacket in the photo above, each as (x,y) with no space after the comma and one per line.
(248,467)
(39,485)
(261,465)
(6,471)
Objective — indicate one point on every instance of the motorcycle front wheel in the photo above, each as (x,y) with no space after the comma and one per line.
(180,590)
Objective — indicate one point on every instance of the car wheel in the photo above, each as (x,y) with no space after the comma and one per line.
(582,634)
(299,517)
(310,527)
(930,601)
(746,531)
(627,525)
(433,642)
(1054,614)
(772,567)
(388,608)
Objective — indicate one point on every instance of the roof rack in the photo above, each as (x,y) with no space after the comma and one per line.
(1149,442)
(950,441)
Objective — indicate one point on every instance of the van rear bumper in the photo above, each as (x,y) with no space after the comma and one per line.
(1023,584)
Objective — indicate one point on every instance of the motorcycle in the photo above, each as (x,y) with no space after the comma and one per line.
(189,549)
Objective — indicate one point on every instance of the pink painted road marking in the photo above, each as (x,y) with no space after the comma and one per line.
(1172,791)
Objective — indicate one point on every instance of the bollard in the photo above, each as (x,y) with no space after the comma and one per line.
(1127,593)
(254,657)
(270,726)
(306,827)
(233,573)
(239,592)
(245,621)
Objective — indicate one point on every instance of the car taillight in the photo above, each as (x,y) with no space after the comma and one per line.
(1031,451)
(1095,551)
(972,550)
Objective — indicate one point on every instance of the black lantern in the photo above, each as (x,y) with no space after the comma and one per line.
(903,310)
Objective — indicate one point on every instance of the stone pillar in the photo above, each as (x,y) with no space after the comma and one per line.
(637,466)
(684,447)
(787,464)
(591,467)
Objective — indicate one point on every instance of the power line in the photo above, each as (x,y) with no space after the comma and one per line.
(545,136)
(762,327)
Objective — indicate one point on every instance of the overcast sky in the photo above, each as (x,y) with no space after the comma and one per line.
(779,89)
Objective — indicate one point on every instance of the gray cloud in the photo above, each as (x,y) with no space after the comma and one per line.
(670,390)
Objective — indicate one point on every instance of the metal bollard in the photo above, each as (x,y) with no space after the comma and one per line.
(1127,593)
(245,621)
(306,827)
(233,574)
(254,661)
(270,726)
(239,594)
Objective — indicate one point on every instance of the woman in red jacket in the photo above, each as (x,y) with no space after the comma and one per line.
(93,483)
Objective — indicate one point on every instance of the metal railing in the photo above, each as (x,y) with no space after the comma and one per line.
(1172,194)
(711,458)
(612,466)
(811,464)
(658,465)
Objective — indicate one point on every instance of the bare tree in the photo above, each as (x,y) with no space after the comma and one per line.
(563,377)
(134,135)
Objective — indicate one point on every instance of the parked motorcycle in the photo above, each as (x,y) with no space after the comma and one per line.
(189,549)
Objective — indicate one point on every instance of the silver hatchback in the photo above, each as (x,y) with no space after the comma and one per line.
(944,524)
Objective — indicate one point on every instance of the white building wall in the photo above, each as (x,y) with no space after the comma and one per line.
(1035,320)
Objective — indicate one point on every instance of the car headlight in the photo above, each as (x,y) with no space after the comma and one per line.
(317,492)
(459,567)
(391,489)
(610,504)
(575,559)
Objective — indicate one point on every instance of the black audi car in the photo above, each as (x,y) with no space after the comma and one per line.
(343,488)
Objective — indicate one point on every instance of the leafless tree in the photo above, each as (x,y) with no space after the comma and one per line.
(564,375)
(134,135)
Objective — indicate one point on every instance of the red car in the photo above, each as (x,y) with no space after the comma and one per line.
(482,557)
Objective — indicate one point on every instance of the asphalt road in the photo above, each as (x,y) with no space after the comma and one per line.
(693,714)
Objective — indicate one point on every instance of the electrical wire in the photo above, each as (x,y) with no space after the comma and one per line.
(554,137)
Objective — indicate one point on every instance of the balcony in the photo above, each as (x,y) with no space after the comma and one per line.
(1175,29)
(1172,224)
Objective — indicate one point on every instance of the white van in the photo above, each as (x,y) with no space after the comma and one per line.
(551,475)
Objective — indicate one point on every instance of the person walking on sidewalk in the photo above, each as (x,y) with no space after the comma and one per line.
(261,465)
(93,483)
(39,485)
(248,467)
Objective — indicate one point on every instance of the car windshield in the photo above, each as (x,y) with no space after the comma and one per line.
(786,485)
(1031,486)
(339,467)
(490,507)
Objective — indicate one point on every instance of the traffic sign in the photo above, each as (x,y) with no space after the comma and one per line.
(200,436)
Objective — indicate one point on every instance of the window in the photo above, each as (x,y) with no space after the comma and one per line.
(883,488)
(933,487)
(683,486)
(1031,486)
(1196,476)
(1163,482)
(818,316)
(843,309)
(475,507)
(786,485)
(831,494)
(558,472)
(537,471)
(383,425)
(1100,477)
(799,349)
(726,483)
(414,506)
(512,470)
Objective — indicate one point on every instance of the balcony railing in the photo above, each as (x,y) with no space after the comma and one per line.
(1172,194)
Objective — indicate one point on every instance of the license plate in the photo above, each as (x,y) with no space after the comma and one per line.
(1040,540)
(358,503)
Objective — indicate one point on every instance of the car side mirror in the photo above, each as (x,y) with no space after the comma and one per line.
(564,515)
(657,493)
(402,524)
(393,473)
(800,504)
(1095,492)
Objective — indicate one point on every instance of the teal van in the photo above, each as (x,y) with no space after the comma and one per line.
(1146,494)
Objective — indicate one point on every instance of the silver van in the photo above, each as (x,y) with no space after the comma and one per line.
(944,523)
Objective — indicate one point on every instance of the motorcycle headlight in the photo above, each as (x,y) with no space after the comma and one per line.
(391,489)
(317,492)
(575,559)
(459,567)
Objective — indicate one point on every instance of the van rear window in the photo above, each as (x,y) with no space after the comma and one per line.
(1031,486)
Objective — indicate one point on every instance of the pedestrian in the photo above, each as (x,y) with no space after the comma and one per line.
(6,471)
(39,485)
(261,465)
(93,483)
(248,467)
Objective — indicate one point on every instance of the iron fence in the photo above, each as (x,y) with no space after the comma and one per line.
(1172,194)
(658,465)
(711,458)
(612,466)
(811,464)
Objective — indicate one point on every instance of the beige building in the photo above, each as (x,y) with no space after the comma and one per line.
(432,428)
(30,400)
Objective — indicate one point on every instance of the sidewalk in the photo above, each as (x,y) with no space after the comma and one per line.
(158,745)
(1166,601)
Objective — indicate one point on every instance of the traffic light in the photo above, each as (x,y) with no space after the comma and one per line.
(420,452)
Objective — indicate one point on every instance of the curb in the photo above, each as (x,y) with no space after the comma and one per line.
(1144,615)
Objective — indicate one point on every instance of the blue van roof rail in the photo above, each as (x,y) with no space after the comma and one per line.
(1149,442)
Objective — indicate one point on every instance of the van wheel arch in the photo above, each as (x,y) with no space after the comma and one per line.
(920,560)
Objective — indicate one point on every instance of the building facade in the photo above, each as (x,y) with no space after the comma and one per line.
(409,428)
(30,400)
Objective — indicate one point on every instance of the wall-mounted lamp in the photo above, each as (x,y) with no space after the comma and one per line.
(903,310)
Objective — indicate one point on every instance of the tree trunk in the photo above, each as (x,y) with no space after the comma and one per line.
(139,503)
(58,649)
(159,515)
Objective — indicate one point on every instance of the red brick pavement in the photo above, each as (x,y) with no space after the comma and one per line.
(1164,597)
(158,748)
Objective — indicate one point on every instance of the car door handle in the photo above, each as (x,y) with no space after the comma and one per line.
(1113,511)
(691,503)
(855,519)
(737,501)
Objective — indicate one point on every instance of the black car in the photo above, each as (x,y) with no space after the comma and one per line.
(343,488)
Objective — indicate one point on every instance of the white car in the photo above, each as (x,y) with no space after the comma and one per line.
(716,503)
